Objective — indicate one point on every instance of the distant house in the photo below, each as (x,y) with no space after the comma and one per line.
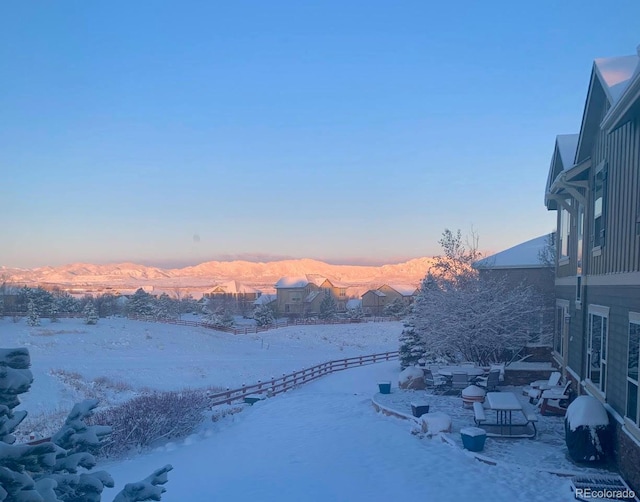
(375,300)
(301,296)
(235,295)
(530,262)
(594,187)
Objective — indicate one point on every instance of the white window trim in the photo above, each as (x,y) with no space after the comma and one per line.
(601,311)
(634,318)
(560,304)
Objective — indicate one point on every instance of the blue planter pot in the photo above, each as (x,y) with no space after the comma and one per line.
(473,438)
(385,387)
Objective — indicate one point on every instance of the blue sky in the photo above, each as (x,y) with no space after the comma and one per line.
(179,132)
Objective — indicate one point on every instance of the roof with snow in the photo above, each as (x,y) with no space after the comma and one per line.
(234,288)
(567,145)
(615,74)
(525,255)
(375,292)
(292,282)
(403,289)
(265,299)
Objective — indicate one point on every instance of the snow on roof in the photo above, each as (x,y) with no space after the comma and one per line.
(567,146)
(265,299)
(311,296)
(316,279)
(616,73)
(586,411)
(292,282)
(403,289)
(354,303)
(523,255)
(375,292)
(235,288)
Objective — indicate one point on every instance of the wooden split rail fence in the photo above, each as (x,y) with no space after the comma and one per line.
(284,383)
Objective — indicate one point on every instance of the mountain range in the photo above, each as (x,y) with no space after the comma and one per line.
(199,278)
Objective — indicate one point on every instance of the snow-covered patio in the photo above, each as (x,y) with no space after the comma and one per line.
(546,452)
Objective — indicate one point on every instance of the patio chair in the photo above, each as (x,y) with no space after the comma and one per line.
(459,381)
(490,382)
(434,381)
(535,389)
(554,401)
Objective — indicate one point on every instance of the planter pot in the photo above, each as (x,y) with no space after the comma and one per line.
(385,387)
(419,409)
(252,399)
(473,438)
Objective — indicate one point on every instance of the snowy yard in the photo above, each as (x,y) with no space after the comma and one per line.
(322,441)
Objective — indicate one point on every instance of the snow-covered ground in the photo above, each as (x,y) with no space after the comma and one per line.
(323,441)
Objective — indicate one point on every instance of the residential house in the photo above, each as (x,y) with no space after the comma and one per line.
(594,186)
(530,263)
(234,295)
(301,296)
(375,300)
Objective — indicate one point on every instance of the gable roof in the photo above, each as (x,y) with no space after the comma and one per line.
(562,160)
(627,104)
(610,78)
(234,288)
(265,299)
(524,255)
(403,289)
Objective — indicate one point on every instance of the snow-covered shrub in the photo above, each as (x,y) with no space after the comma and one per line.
(587,431)
(59,470)
(355,313)
(397,308)
(460,315)
(263,315)
(411,378)
(33,316)
(411,346)
(89,313)
(144,420)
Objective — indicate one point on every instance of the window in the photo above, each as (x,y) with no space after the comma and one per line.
(599,200)
(597,348)
(565,223)
(632,368)
(579,242)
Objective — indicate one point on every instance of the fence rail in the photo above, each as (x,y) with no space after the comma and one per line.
(284,383)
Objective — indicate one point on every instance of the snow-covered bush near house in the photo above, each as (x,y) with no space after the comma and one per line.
(586,411)
(458,314)
(587,430)
(147,419)
(263,315)
(409,374)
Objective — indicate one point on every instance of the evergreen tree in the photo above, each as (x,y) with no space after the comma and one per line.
(355,313)
(263,315)
(220,318)
(49,472)
(328,307)
(53,312)
(411,346)
(1,307)
(397,308)
(33,317)
(89,313)
(164,307)
(141,303)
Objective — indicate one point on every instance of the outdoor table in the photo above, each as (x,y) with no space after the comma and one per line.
(472,371)
(504,403)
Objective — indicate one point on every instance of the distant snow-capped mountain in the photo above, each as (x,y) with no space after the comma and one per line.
(259,275)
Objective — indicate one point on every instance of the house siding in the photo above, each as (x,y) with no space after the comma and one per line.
(621,300)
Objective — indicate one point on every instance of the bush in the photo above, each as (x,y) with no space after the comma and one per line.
(146,419)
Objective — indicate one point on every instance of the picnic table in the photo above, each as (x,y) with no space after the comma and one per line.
(471,371)
(504,404)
